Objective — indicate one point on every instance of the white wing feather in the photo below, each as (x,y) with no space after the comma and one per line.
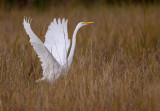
(56,40)
(48,61)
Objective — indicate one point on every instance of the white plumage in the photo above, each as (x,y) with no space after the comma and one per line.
(53,53)
(56,40)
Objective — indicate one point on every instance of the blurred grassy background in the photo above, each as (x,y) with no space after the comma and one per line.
(45,4)
(116,66)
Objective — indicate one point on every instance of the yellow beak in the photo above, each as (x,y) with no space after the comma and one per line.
(88,23)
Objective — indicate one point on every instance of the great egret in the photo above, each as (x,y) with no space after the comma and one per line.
(53,53)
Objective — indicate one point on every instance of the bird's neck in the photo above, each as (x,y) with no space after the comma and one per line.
(70,57)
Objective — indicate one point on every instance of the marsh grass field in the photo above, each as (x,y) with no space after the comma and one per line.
(116,65)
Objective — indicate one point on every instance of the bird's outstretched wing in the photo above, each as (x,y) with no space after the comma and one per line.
(56,40)
(48,61)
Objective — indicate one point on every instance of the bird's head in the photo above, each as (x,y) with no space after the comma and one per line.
(84,23)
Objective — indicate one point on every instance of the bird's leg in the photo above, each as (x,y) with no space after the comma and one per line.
(39,80)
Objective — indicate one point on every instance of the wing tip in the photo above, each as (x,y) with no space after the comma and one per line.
(60,21)
(27,20)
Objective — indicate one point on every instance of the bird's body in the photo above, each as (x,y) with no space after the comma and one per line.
(53,53)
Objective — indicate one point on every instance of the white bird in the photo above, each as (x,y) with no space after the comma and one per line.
(53,53)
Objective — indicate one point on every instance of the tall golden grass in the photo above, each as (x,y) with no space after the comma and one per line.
(116,65)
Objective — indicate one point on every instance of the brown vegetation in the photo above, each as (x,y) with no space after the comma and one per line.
(116,66)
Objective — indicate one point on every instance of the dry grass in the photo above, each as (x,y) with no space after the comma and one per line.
(116,66)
